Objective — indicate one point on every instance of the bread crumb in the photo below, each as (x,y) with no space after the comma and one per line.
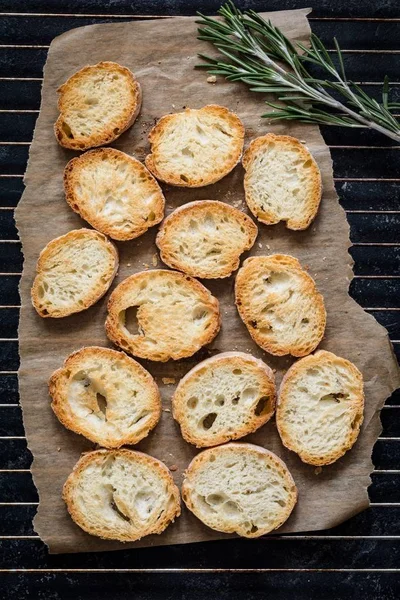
(146,265)
(173,468)
(259,244)
(168,380)
(154,260)
(212,79)
(166,410)
(58,449)
(324,258)
(318,470)
(128,264)
(268,247)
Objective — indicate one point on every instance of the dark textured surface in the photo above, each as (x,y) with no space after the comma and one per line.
(350,561)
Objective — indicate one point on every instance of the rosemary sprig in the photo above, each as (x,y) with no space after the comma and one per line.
(259,54)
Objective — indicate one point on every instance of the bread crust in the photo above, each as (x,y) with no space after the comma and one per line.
(314,198)
(172,509)
(169,237)
(255,316)
(263,375)
(93,296)
(356,409)
(240,447)
(114,128)
(221,115)
(59,389)
(103,223)
(143,345)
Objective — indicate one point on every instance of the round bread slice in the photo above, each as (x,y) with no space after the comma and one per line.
(239,488)
(161,315)
(73,272)
(280,305)
(224,398)
(282,181)
(195,147)
(121,495)
(96,105)
(320,407)
(105,396)
(113,192)
(205,238)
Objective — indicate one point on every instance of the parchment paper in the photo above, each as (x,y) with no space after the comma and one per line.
(162,53)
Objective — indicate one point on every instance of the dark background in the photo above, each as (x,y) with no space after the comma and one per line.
(359,559)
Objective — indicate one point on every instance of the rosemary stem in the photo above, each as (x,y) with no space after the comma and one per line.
(260,55)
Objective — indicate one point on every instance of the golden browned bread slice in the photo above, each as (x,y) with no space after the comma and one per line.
(195,147)
(96,105)
(239,488)
(162,315)
(282,181)
(224,398)
(320,408)
(121,495)
(205,238)
(105,396)
(73,272)
(113,192)
(280,305)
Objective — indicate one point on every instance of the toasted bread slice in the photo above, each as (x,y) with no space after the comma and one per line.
(282,181)
(205,238)
(73,272)
(96,105)
(121,495)
(224,398)
(320,408)
(195,147)
(113,192)
(280,305)
(162,315)
(239,488)
(105,396)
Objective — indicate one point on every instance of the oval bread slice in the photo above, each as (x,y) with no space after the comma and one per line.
(96,105)
(113,192)
(280,305)
(121,495)
(73,272)
(224,398)
(282,181)
(239,488)
(161,315)
(105,396)
(205,238)
(195,147)
(320,408)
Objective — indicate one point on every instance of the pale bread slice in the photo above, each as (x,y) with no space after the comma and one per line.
(280,305)
(161,315)
(113,192)
(205,238)
(73,272)
(121,495)
(196,147)
(96,105)
(224,398)
(105,396)
(320,407)
(282,181)
(239,488)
